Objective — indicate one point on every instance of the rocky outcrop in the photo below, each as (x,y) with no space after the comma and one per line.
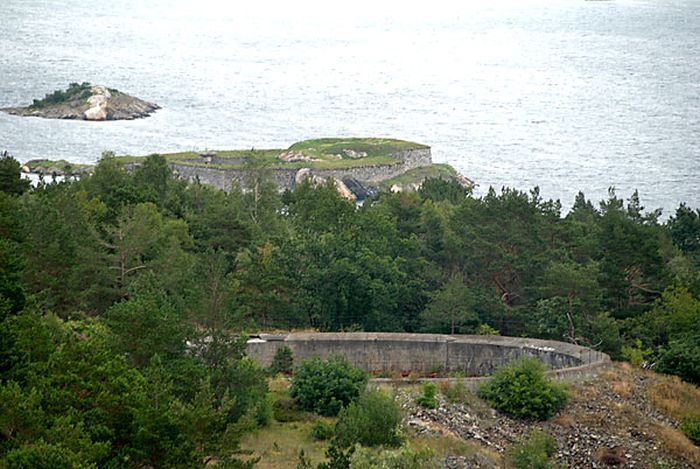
(92,103)
(609,421)
(293,156)
(306,174)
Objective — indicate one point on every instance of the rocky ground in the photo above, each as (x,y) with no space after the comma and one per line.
(621,419)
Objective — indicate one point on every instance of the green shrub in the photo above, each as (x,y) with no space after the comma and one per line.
(523,390)
(682,358)
(535,452)
(322,431)
(635,354)
(457,393)
(327,386)
(485,329)
(690,426)
(373,419)
(405,457)
(263,411)
(427,398)
(283,361)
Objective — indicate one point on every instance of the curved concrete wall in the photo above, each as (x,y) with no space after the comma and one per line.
(426,353)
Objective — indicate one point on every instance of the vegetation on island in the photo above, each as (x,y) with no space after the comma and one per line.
(324,153)
(74,92)
(412,176)
(84,101)
(125,296)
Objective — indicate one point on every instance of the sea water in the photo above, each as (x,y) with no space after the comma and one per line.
(567,95)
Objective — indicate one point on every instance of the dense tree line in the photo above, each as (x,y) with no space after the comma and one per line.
(142,281)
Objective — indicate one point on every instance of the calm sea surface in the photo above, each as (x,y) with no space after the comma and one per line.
(565,94)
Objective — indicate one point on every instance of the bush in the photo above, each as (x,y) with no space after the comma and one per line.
(485,329)
(636,354)
(373,419)
(283,361)
(322,431)
(263,412)
(534,452)
(457,393)
(690,426)
(325,387)
(427,398)
(682,358)
(521,389)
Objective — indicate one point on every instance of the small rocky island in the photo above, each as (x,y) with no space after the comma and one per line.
(86,102)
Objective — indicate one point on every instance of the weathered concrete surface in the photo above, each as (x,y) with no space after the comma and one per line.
(475,356)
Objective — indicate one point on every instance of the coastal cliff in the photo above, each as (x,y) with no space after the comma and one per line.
(86,102)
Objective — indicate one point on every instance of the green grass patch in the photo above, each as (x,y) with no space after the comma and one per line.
(418,175)
(324,147)
(278,445)
(329,153)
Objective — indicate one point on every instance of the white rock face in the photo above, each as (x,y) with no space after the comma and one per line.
(97,113)
(98,104)
(343,190)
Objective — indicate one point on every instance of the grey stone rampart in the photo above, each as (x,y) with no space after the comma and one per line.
(225,178)
(474,356)
(285,179)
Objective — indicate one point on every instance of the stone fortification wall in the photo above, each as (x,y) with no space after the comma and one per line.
(408,159)
(225,178)
(285,178)
(425,353)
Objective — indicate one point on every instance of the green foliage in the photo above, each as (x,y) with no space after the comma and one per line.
(451,309)
(439,190)
(283,361)
(684,227)
(485,329)
(326,386)
(690,426)
(427,397)
(682,358)
(80,405)
(405,457)
(457,392)
(157,274)
(535,452)
(636,354)
(523,390)
(374,419)
(322,431)
(146,325)
(11,181)
(338,457)
(43,455)
(75,91)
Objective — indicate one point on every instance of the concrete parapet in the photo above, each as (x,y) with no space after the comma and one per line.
(471,356)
